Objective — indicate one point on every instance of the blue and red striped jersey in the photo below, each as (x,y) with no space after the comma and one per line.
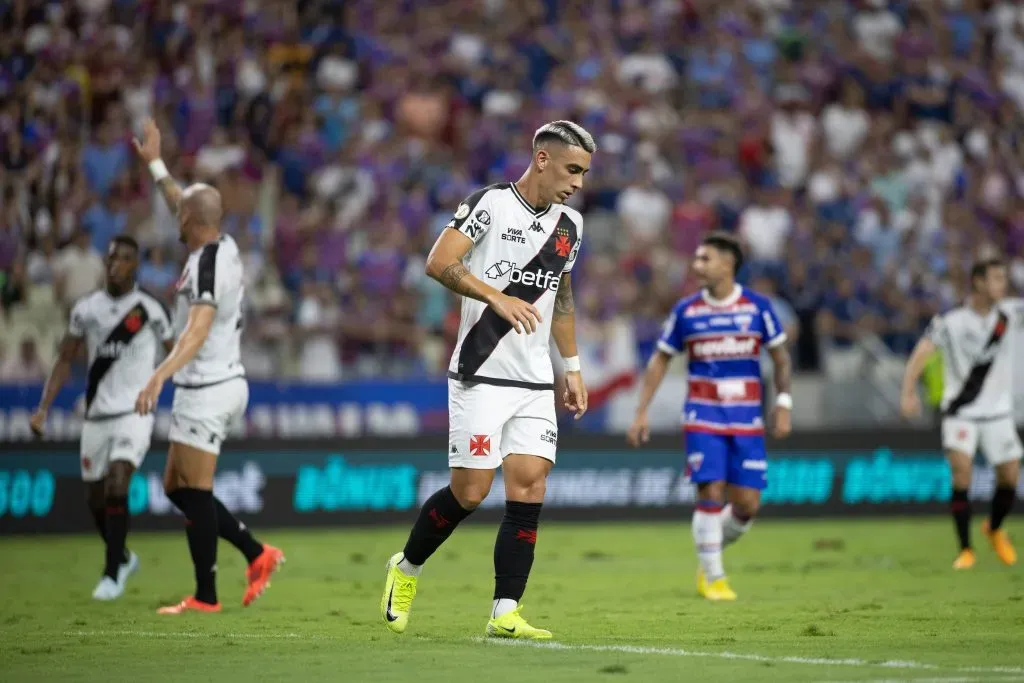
(722,340)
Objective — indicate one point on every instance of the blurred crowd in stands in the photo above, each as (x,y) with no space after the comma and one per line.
(866,151)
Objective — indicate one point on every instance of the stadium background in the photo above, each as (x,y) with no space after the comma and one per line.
(865,151)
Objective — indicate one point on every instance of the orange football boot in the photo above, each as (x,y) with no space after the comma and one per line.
(189,604)
(965,560)
(259,572)
(1000,541)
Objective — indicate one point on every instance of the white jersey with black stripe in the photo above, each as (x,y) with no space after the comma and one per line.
(977,354)
(523,252)
(213,277)
(123,336)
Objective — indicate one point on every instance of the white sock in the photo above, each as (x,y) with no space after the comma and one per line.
(707,536)
(732,528)
(503,606)
(408,568)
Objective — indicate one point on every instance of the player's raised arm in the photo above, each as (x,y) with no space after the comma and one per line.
(563,330)
(69,349)
(444,264)
(910,402)
(149,151)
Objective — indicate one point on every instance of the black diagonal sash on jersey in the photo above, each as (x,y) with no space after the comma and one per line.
(130,325)
(484,336)
(979,371)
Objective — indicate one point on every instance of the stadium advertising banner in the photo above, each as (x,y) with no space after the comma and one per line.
(367,481)
(277,410)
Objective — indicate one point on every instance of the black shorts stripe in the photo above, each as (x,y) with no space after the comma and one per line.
(484,336)
(207,384)
(979,371)
(479,379)
(131,324)
(206,278)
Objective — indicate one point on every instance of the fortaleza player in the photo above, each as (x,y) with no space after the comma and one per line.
(518,242)
(211,391)
(721,330)
(978,341)
(122,327)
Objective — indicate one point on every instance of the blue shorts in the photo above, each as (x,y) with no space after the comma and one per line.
(736,460)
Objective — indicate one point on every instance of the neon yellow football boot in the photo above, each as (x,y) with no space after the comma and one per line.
(716,591)
(399,591)
(512,625)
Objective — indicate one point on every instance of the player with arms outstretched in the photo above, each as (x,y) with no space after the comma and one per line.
(508,252)
(722,330)
(122,327)
(978,341)
(211,391)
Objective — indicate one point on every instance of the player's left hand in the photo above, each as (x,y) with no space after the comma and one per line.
(783,423)
(575,394)
(146,402)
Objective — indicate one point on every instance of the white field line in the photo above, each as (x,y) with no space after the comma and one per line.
(185,635)
(952,679)
(739,656)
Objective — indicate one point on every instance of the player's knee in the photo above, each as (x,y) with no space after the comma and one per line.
(530,491)
(470,496)
(746,509)
(118,479)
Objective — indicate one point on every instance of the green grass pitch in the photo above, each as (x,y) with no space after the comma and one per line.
(819,601)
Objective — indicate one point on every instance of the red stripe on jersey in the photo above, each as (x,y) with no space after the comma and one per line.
(726,346)
(723,430)
(725,390)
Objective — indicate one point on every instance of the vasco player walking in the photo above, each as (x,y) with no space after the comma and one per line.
(211,390)
(721,329)
(122,327)
(508,252)
(978,341)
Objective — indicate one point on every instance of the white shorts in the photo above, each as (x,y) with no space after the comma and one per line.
(201,417)
(488,422)
(119,438)
(998,438)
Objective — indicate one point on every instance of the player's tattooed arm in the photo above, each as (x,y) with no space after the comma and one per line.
(783,368)
(564,302)
(171,191)
(453,276)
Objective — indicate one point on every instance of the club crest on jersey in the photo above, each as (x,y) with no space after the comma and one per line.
(462,211)
(563,245)
(133,321)
(743,321)
(483,217)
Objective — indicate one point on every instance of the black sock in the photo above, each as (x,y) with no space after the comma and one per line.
(960,506)
(236,533)
(99,516)
(1002,503)
(201,528)
(437,520)
(513,550)
(117,534)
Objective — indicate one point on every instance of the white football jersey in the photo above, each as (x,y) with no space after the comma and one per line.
(123,337)
(978,359)
(213,277)
(523,252)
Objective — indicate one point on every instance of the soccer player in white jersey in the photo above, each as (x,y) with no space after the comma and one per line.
(211,390)
(978,341)
(122,327)
(508,252)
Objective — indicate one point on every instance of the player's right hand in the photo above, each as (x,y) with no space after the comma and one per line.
(38,422)
(910,405)
(639,432)
(521,315)
(149,147)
